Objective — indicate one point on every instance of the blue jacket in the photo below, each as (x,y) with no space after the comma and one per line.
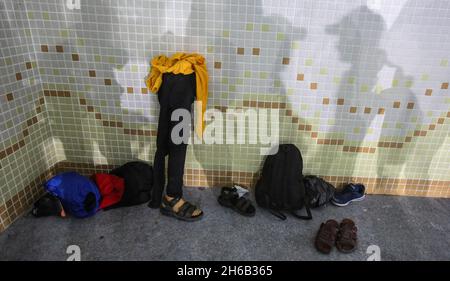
(78,194)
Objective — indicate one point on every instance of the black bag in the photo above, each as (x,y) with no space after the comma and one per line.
(138,179)
(280,187)
(318,191)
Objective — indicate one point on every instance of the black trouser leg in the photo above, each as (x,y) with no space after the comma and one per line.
(177,92)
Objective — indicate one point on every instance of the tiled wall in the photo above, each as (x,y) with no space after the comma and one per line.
(26,147)
(362,86)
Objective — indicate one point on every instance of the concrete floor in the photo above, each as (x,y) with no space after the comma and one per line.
(404,228)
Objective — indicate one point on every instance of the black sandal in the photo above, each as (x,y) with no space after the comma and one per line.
(184,212)
(229,198)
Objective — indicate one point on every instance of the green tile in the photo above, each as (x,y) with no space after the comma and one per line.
(309,62)
(249,27)
(364,88)
(281,36)
(263,75)
(265,27)
(295,45)
(64,33)
(45,16)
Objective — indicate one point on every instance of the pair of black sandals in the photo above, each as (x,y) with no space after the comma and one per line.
(229,197)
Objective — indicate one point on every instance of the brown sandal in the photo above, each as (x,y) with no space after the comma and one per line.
(326,236)
(347,237)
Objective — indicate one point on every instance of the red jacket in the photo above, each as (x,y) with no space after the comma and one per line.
(111,189)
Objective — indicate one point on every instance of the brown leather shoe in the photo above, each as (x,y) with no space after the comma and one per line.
(326,236)
(347,236)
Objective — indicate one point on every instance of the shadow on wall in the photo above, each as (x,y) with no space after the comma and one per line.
(415,157)
(102,135)
(365,112)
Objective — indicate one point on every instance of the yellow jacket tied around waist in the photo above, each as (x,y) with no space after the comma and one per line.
(182,63)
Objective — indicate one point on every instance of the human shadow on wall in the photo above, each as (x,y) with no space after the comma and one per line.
(224,157)
(416,157)
(104,132)
(364,110)
(359,45)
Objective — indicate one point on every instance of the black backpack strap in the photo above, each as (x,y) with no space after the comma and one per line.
(274,212)
(278,214)
(308,211)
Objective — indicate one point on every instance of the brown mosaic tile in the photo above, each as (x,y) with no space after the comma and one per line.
(144,91)
(130,90)
(396,104)
(28,65)
(217,64)
(75,57)
(353,109)
(59,49)
(313,86)
(428,92)
(44,48)
(300,77)
(108,82)
(92,73)
(408,139)
(367,110)
(240,51)
(441,120)
(380,110)
(9,97)
(255,51)
(340,102)
(325,101)
(410,105)
(444,86)
(285,61)
(314,135)
(18,76)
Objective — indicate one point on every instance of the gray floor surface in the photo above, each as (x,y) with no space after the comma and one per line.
(404,228)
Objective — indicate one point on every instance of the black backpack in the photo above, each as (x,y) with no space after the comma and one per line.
(280,187)
(318,191)
(138,179)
